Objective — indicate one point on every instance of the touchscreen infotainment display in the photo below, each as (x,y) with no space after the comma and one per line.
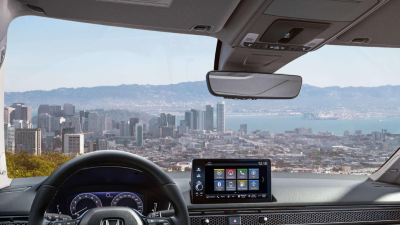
(230,180)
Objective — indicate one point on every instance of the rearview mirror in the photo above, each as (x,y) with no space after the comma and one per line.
(243,85)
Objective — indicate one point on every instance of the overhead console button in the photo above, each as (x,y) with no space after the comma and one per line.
(249,44)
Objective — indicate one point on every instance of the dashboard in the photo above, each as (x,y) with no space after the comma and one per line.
(107,187)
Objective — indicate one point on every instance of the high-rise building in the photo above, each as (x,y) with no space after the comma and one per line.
(167,132)
(45,121)
(132,125)
(156,130)
(69,109)
(171,119)
(139,134)
(28,140)
(43,109)
(152,121)
(194,123)
(183,127)
(124,128)
(73,144)
(243,127)
(22,124)
(221,117)
(163,120)
(93,123)
(209,118)
(21,112)
(56,111)
(188,118)
(7,114)
(201,120)
(108,123)
(64,131)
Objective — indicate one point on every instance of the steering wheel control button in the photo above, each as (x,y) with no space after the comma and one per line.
(157,222)
(234,220)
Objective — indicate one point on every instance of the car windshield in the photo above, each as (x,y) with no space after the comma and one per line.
(73,88)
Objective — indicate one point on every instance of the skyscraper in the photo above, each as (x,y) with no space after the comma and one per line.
(209,118)
(139,134)
(56,111)
(243,127)
(201,119)
(221,117)
(7,114)
(69,109)
(132,125)
(163,120)
(93,123)
(152,121)
(21,112)
(124,128)
(171,119)
(45,121)
(194,119)
(188,118)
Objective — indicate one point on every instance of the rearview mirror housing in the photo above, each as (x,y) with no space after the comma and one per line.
(246,85)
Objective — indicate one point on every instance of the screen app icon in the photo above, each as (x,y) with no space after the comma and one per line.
(230,173)
(242,185)
(242,173)
(231,185)
(219,185)
(254,185)
(219,174)
(254,173)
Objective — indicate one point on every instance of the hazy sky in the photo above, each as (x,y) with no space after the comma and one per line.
(44,54)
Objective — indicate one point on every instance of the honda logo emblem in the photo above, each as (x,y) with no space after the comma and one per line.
(112,222)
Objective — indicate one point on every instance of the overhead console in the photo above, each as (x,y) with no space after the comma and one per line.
(283,30)
(230,181)
(286,25)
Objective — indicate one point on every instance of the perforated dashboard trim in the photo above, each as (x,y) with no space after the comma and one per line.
(350,217)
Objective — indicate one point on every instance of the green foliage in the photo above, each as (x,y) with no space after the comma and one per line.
(25,165)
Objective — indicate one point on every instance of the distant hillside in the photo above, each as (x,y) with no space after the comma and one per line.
(195,94)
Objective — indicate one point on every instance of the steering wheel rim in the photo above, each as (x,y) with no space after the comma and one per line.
(49,187)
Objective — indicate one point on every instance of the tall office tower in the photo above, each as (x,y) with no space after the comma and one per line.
(243,127)
(171,119)
(64,131)
(156,130)
(209,118)
(183,127)
(69,109)
(124,128)
(201,119)
(75,122)
(7,114)
(21,112)
(188,118)
(73,144)
(108,123)
(28,140)
(167,132)
(56,111)
(163,120)
(22,124)
(58,123)
(132,124)
(93,123)
(81,116)
(45,121)
(113,124)
(152,121)
(221,117)
(194,119)
(139,134)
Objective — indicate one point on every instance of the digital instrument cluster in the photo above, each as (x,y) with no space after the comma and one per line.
(80,203)
(230,180)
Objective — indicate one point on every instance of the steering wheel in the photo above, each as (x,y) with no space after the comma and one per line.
(109,215)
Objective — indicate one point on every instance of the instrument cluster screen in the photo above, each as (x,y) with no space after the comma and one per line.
(80,203)
(216,180)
